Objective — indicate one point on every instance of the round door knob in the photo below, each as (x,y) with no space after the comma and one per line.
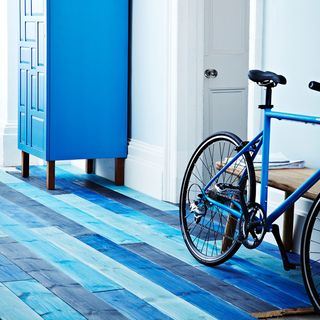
(211,73)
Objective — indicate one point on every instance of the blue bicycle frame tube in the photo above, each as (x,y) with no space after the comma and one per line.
(265,161)
(235,213)
(292,117)
(265,142)
(268,115)
(234,159)
(293,197)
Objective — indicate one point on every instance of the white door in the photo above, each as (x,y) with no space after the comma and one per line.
(226,60)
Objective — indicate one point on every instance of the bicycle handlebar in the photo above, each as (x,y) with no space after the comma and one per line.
(313,85)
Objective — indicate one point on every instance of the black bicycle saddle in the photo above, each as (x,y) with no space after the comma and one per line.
(265,78)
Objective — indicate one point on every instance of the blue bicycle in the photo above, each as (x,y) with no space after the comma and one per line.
(218,208)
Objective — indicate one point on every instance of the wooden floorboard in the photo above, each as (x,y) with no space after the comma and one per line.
(98,251)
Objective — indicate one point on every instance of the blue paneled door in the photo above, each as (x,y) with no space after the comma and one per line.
(32,77)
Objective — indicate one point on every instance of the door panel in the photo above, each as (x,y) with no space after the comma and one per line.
(227,52)
(32,80)
(232,113)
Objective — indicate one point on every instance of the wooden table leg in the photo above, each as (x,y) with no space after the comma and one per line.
(50,175)
(229,233)
(119,171)
(287,231)
(89,166)
(25,160)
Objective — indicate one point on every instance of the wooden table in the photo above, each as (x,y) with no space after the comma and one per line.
(288,180)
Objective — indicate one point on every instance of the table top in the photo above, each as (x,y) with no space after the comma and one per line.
(290,179)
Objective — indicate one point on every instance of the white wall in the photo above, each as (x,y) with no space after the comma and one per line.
(9,154)
(149,70)
(145,163)
(144,168)
(290,46)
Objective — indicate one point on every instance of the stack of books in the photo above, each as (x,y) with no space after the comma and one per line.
(276,161)
(279,161)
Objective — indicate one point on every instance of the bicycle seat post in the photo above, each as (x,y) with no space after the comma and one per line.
(266,146)
(269,97)
(268,104)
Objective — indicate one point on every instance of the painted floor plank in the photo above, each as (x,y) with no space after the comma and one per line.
(134,204)
(155,203)
(270,295)
(55,204)
(244,282)
(168,279)
(160,298)
(20,214)
(80,272)
(113,203)
(12,308)
(109,199)
(257,257)
(11,272)
(77,200)
(98,213)
(57,282)
(139,220)
(133,308)
(93,224)
(44,213)
(266,261)
(98,209)
(42,301)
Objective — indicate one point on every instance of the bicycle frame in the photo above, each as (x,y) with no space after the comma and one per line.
(263,140)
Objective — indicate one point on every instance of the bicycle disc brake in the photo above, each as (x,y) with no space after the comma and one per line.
(254,227)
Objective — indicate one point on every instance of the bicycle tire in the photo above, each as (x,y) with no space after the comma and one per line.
(223,141)
(310,254)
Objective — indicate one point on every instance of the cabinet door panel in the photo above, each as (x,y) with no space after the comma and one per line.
(32,74)
(88,75)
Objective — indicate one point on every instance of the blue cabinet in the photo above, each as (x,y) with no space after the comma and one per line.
(73,79)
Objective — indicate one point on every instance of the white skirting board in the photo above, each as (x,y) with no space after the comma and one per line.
(144,168)
(9,153)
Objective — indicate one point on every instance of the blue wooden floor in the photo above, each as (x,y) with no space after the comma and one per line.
(91,250)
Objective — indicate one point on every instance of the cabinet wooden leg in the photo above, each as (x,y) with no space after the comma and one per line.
(287,231)
(119,171)
(50,175)
(25,161)
(89,166)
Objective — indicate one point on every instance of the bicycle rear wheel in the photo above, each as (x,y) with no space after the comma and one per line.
(210,233)
(310,254)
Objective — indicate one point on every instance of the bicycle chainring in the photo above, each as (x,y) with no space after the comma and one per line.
(254,227)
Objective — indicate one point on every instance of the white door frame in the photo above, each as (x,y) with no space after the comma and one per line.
(9,26)
(255,92)
(184,112)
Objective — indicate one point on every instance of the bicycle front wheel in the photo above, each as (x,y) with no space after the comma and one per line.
(310,254)
(210,233)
